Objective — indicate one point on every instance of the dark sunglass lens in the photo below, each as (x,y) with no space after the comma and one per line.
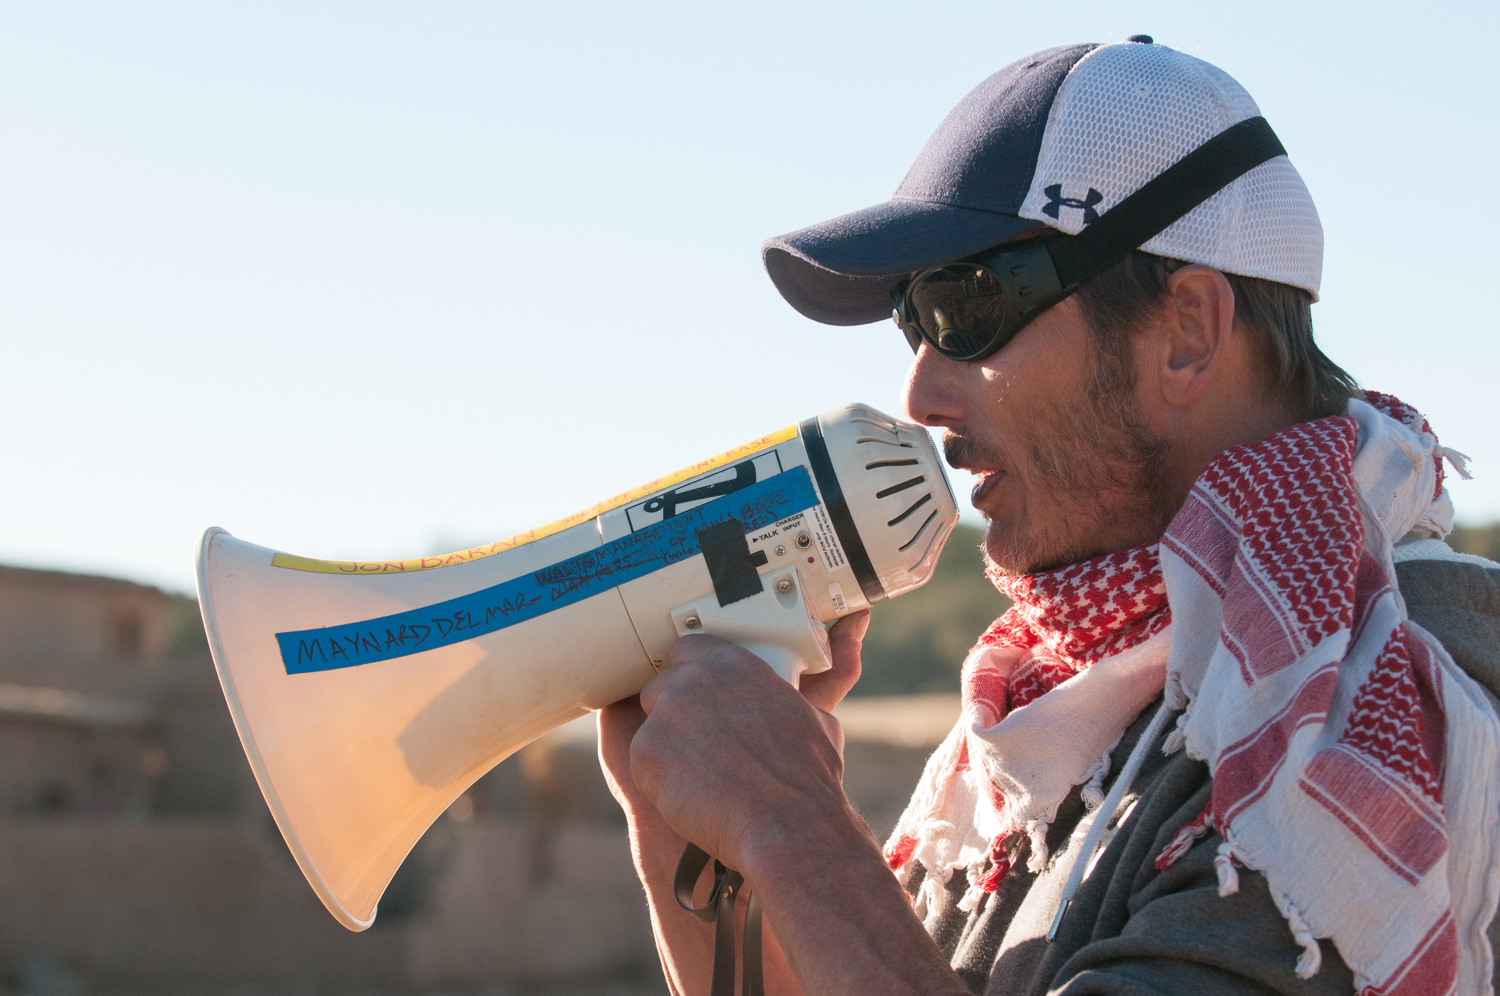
(960,308)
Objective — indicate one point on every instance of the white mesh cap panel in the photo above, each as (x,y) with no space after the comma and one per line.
(1262,225)
(1124,114)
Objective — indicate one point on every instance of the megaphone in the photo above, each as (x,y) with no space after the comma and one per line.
(369,695)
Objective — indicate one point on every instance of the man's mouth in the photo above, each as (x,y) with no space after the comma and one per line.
(988,481)
(964,453)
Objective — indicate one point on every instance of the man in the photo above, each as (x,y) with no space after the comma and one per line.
(1190,505)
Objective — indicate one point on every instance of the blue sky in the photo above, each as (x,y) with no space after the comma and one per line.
(366,280)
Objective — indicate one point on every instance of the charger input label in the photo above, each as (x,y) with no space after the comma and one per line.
(827,539)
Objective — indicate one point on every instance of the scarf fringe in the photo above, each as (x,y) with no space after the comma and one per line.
(1460,461)
(1175,697)
(1093,785)
(1311,959)
(1036,833)
(1229,876)
(1177,739)
(1180,844)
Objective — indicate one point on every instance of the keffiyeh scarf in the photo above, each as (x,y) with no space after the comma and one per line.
(1354,765)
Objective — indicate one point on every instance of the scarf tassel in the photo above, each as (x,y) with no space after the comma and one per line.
(1036,832)
(1311,959)
(1000,864)
(1229,876)
(1183,841)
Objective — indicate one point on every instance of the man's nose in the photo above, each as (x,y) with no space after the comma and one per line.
(934,394)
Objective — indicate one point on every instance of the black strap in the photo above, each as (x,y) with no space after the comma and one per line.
(838,511)
(719,911)
(752,982)
(1174,192)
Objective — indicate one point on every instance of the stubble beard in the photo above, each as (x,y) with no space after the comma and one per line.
(1100,466)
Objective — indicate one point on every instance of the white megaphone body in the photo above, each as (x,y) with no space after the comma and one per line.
(370,695)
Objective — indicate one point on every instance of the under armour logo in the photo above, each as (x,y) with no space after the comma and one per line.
(1056,202)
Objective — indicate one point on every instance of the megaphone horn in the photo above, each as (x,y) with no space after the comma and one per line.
(369,695)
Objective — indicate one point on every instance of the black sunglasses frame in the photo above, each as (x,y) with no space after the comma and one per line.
(1026,273)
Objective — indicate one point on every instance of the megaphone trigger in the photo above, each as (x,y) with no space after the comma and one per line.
(369,695)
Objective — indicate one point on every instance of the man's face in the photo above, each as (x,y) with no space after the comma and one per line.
(1067,470)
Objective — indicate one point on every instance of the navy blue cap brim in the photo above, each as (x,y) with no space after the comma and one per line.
(841,272)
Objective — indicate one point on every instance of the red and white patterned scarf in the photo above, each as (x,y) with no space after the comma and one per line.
(1330,722)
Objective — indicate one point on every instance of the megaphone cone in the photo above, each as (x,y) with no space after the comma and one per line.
(369,695)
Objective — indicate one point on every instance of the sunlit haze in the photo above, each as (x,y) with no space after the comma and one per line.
(369,280)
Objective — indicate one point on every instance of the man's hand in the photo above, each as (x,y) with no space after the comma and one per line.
(686,944)
(720,750)
(729,746)
(619,723)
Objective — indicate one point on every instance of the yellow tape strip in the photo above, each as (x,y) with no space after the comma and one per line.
(291,562)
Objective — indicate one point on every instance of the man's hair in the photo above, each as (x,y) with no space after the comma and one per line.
(1278,317)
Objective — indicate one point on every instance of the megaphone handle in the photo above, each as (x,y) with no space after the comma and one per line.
(776,625)
(719,911)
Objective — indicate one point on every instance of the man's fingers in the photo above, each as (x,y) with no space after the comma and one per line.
(823,691)
(846,635)
(717,719)
(619,720)
(828,688)
(704,650)
(700,647)
(693,648)
(653,690)
(617,724)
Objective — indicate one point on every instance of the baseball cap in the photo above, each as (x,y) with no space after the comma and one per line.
(1054,141)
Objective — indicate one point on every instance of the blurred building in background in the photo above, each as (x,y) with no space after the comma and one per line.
(136,853)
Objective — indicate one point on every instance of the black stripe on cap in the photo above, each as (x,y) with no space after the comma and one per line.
(1168,196)
(838,511)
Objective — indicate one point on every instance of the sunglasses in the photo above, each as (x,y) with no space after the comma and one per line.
(969,309)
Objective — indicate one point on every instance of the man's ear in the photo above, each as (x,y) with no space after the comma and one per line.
(1198,321)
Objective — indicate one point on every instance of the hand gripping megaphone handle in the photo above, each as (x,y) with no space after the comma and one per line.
(781,630)
(719,911)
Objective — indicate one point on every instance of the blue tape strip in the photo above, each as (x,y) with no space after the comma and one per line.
(532,595)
